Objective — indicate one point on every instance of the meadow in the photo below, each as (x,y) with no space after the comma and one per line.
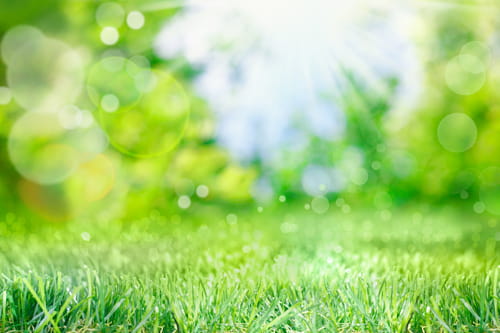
(245,166)
(281,270)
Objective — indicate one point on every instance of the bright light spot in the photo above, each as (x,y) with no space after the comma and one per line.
(479,50)
(479,207)
(260,209)
(282,198)
(55,70)
(464,76)
(231,219)
(471,63)
(54,163)
(457,132)
(110,103)
(135,20)
(320,205)
(184,202)
(40,149)
(85,236)
(151,121)
(18,38)
(246,52)
(110,14)
(112,76)
(5,95)
(109,35)
(307,206)
(202,191)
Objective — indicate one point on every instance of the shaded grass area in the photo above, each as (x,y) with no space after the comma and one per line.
(285,270)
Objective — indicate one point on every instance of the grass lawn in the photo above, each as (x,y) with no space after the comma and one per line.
(285,270)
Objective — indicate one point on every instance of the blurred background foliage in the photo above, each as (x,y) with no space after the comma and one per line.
(141,158)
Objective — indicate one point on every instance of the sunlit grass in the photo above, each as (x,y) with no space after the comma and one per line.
(280,271)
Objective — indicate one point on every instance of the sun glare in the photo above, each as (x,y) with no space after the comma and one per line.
(268,65)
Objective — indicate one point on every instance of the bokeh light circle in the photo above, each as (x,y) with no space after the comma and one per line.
(110,14)
(155,124)
(359,176)
(110,77)
(202,191)
(465,74)
(320,205)
(109,35)
(16,38)
(36,150)
(44,151)
(471,63)
(457,132)
(135,20)
(184,202)
(110,103)
(479,50)
(42,73)
(88,141)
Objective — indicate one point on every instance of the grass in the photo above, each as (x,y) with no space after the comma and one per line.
(285,270)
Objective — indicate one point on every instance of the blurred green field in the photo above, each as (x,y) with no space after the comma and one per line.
(280,270)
